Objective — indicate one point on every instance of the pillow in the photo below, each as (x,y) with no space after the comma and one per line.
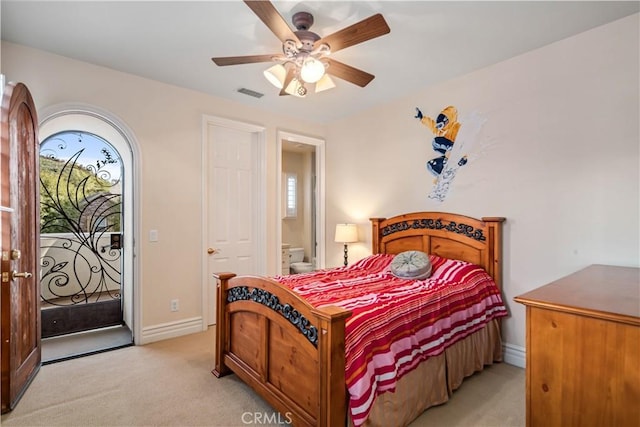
(411,265)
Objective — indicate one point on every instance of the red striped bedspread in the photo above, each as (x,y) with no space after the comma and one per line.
(398,323)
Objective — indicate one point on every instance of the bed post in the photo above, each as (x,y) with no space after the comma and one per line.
(375,234)
(333,393)
(494,246)
(222,328)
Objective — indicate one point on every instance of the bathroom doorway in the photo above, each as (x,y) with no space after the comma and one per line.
(301,207)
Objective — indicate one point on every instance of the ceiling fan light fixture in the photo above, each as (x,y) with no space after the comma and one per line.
(325,83)
(312,70)
(276,75)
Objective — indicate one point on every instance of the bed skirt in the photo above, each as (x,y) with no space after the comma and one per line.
(433,381)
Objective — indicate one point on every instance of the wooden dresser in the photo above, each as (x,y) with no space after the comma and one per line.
(583,349)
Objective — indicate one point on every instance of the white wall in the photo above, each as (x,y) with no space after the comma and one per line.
(167,124)
(562,162)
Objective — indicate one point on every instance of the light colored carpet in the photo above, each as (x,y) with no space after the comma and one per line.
(169,383)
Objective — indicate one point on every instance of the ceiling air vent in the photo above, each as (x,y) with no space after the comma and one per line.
(251,92)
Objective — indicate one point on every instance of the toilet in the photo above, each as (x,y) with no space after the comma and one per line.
(297,261)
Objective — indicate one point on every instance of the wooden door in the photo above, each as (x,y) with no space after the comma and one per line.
(20,229)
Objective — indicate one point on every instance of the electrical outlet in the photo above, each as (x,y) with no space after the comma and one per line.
(175,305)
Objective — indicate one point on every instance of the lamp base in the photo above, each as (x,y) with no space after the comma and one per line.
(346,262)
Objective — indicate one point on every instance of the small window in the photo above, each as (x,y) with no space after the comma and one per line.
(291,195)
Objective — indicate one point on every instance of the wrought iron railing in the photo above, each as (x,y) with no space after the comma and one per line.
(81,208)
(75,271)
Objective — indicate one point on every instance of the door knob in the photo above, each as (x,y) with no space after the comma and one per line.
(212,251)
(15,275)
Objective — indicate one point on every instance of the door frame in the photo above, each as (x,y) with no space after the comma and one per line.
(319,145)
(132,301)
(261,214)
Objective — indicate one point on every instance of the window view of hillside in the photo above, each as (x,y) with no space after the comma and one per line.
(79,185)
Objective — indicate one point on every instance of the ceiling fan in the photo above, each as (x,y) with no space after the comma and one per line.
(305,57)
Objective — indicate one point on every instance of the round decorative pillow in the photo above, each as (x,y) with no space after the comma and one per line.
(411,265)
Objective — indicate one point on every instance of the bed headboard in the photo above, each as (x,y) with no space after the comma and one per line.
(444,234)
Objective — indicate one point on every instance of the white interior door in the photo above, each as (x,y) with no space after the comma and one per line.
(234,212)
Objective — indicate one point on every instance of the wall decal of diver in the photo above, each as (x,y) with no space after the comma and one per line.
(445,129)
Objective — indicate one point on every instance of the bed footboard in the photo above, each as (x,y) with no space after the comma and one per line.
(290,353)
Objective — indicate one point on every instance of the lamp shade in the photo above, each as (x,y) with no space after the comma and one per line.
(325,83)
(296,88)
(346,233)
(312,70)
(276,75)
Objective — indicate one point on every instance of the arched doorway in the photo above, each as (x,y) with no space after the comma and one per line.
(87,234)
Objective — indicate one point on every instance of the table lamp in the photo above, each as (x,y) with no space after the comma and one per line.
(346,233)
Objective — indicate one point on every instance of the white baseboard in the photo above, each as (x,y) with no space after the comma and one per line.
(514,355)
(170,330)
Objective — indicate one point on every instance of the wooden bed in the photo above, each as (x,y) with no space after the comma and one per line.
(292,354)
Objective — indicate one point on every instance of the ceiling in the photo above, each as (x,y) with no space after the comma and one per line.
(173,42)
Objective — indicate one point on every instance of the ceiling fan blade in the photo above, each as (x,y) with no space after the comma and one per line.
(349,73)
(291,73)
(273,20)
(235,60)
(367,29)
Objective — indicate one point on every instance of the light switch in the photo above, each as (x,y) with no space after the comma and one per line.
(153,235)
